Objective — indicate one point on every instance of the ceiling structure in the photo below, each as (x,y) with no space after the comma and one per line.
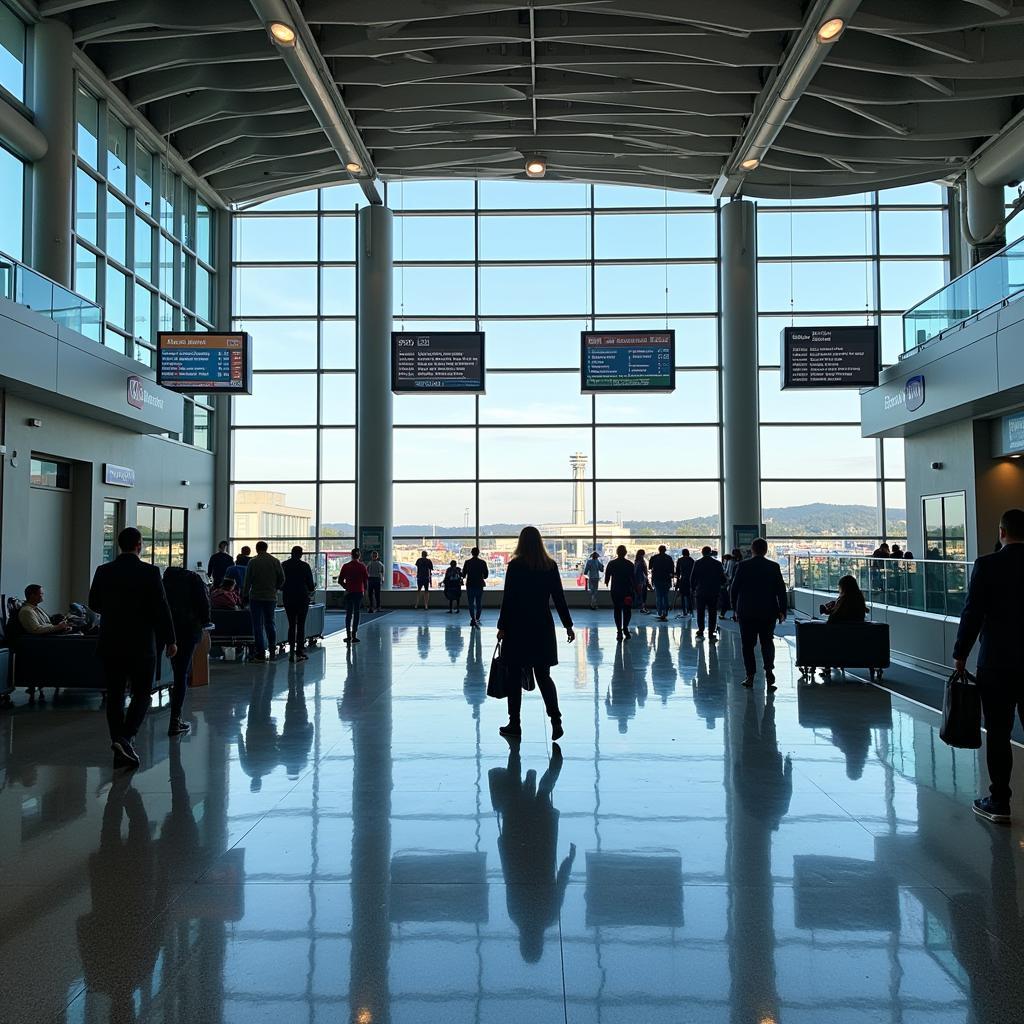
(642,92)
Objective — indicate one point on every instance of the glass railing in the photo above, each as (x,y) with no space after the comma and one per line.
(983,287)
(29,288)
(917,585)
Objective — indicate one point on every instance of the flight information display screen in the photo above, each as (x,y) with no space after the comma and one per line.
(628,361)
(437,362)
(194,362)
(829,357)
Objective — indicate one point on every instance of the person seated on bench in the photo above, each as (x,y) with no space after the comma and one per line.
(226,596)
(33,620)
(850,606)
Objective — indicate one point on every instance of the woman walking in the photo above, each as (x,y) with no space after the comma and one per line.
(525,627)
(620,575)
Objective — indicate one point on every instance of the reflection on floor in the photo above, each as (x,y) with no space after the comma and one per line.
(349,839)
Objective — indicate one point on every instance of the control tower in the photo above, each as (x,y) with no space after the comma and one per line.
(579,488)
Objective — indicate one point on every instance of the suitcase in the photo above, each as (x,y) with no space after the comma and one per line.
(846,645)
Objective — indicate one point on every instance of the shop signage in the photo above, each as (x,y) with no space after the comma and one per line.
(910,398)
(1014,426)
(139,396)
(118,476)
(914,391)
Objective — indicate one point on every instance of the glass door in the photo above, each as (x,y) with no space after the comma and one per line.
(113,517)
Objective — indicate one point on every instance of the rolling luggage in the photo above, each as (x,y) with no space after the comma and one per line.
(846,645)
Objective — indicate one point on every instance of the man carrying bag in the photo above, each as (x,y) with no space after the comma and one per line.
(995,610)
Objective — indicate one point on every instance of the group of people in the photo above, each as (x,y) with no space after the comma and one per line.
(256,581)
(472,574)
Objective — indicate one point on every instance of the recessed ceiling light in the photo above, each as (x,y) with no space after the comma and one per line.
(353,168)
(282,33)
(750,164)
(831,30)
(536,167)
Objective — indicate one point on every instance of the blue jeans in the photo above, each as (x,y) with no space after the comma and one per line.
(353,606)
(661,591)
(263,628)
(475,600)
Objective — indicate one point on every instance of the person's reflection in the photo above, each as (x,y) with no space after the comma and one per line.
(423,642)
(474,686)
(621,699)
(595,656)
(528,846)
(125,901)
(297,733)
(257,750)
(353,691)
(663,669)
(987,935)
(764,779)
(708,686)
(453,642)
(763,782)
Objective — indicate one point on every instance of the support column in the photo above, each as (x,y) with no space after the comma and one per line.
(373,382)
(741,461)
(222,406)
(53,102)
(986,214)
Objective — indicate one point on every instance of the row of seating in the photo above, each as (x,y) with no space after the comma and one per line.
(72,662)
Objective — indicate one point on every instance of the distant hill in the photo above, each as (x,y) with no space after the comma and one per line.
(817,519)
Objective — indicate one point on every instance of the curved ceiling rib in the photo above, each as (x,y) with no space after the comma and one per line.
(644,92)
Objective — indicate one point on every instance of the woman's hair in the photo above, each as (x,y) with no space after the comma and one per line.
(531,551)
(453,562)
(621,551)
(850,595)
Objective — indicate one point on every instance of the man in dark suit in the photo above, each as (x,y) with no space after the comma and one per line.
(995,610)
(706,579)
(759,596)
(135,622)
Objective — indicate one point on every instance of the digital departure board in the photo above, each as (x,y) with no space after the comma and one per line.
(628,361)
(437,362)
(829,357)
(202,362)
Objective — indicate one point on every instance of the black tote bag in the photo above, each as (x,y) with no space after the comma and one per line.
(961,712)
(500,677)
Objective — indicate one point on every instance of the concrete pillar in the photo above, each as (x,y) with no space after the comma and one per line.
(985,216)
(222,225)
(741,461)
(373,381)
(53,102)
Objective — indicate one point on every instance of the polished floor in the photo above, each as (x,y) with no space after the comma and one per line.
(350,840)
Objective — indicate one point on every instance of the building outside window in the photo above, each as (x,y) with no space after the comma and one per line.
(532,264)
(13,38)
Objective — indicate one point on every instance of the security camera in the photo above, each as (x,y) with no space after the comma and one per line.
(936,465)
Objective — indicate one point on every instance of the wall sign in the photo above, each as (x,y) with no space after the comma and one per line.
(118,476)
(829,357)
(371,538)
(621,361)
(914,392)
(139,396)
(439,362)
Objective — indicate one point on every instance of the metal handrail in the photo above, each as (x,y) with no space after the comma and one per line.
(928,585)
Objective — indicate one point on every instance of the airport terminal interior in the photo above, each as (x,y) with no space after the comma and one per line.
(410,277)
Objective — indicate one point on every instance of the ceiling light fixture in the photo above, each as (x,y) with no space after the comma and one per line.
(353,168)
(281,33)
(750,164)
(536,167)
(829,31)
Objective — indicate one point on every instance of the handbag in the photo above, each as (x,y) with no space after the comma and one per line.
(499,676)
(961,712)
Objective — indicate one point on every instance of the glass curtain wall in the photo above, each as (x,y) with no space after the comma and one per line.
(853,260)
(144,245)
(13,39)
(532,264)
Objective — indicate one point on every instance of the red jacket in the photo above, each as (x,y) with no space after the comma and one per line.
(353,577)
